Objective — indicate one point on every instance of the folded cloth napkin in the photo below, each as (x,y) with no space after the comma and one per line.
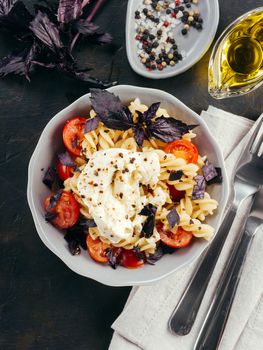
(143,324)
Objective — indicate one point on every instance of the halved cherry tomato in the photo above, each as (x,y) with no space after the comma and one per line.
(73,134)
(175,194)
(97,249)
(67,209)
(179,239)
(129,259)
(183,149)
(64,171)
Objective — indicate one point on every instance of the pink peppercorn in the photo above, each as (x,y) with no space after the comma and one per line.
(166,24)
(138,37)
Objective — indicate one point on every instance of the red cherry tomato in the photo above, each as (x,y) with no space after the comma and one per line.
(73,134)
(64,171)
(175,194)
(67,209)
(97,249)
(129,259)
(183,149)
(179,239)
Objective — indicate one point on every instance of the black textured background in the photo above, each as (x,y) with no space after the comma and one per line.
(44,305)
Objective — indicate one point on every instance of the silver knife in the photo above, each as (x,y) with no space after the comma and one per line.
(247,179)
(213,327)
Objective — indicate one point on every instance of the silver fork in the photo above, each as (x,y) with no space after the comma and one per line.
(246,182)
(215,321)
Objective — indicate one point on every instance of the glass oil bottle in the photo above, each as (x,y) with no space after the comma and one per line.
(236,63)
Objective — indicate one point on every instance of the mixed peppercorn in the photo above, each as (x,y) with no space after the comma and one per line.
(155,21)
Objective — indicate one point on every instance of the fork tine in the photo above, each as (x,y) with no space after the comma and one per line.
(260,151)
(257,137)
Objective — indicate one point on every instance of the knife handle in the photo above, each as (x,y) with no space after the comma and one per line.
(215,321)
(186,310)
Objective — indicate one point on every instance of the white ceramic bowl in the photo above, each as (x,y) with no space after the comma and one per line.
(194,44)
(50,143)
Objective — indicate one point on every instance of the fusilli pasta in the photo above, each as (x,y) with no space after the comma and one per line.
(192,212)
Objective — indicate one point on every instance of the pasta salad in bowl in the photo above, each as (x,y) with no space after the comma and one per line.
(126,185)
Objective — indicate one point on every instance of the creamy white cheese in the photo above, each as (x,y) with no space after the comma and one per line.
(110,186)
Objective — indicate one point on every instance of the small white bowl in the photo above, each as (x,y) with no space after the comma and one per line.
(194,44)
(50,143)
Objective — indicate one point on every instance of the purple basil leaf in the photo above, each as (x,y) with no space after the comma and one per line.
(13,63)
(50,177)
(139,135)
(121,120)
(14,16)
(168,250)
(49,9)
(75,237)
(92,32)
(49,216)
(45,65)
(148,227)
(139,254)
(5,7)
(74,248)
(219,177)
(199,187)
(69,10)
(91,124)
(46,31)
(83,240)
(212,174)
(87,223)
(54,199)
(175,175)
(148,210)
(69,236)
(158,254)
(192,126)
(105,103)
(155,256)
(78,234)
(67,65)
(66,160)
(102,39)
(86,78)
(30,55)
(151,112)
(19,63)
(113,257)
(209,171)
(50,4)
(140,118)
(85,27)
(173,218)
(168,129)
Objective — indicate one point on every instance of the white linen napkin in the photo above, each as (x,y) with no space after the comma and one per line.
(143,322)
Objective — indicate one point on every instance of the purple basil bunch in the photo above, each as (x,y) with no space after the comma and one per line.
(48,36)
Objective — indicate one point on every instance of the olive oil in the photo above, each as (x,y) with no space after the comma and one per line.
(236,64)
